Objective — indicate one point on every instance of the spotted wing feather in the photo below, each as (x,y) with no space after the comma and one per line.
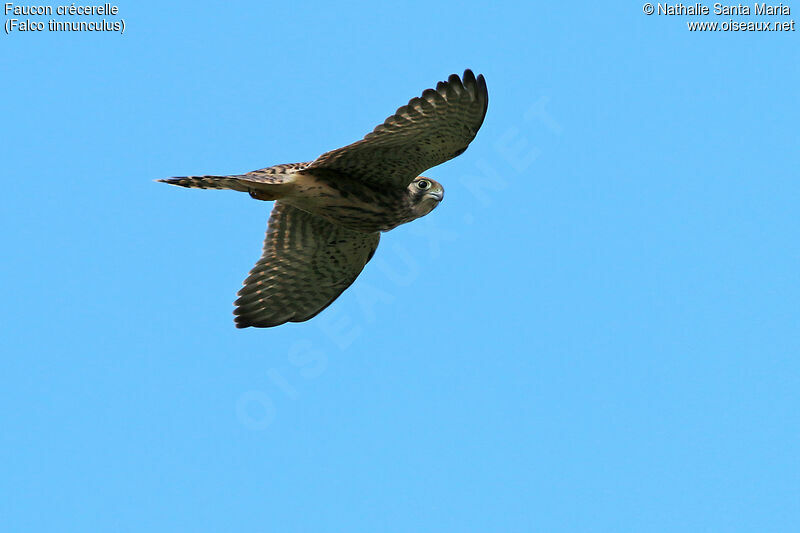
(306,264)
(426,132)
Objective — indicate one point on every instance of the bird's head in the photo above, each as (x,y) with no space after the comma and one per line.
(425,194)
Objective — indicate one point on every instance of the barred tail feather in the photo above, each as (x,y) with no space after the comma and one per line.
(234,182)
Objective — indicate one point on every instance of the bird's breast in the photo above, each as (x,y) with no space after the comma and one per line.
(351,203)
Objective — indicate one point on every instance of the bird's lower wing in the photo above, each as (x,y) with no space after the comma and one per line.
(307,263)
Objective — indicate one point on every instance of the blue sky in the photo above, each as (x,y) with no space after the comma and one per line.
(597,330)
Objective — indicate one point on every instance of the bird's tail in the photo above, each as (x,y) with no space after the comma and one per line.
(268,183)
(234,182)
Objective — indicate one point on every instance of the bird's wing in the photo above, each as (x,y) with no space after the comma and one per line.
(306,264)
(428,131)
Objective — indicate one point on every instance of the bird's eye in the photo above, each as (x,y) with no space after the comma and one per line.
(423,184)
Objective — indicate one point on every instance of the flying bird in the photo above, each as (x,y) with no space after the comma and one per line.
(328,213)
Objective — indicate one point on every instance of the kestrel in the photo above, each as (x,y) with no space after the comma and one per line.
(328,213)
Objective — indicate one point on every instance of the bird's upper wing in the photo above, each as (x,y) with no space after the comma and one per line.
(427,132)
(306,264)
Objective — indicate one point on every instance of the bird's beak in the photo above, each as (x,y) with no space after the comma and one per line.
(438,196)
